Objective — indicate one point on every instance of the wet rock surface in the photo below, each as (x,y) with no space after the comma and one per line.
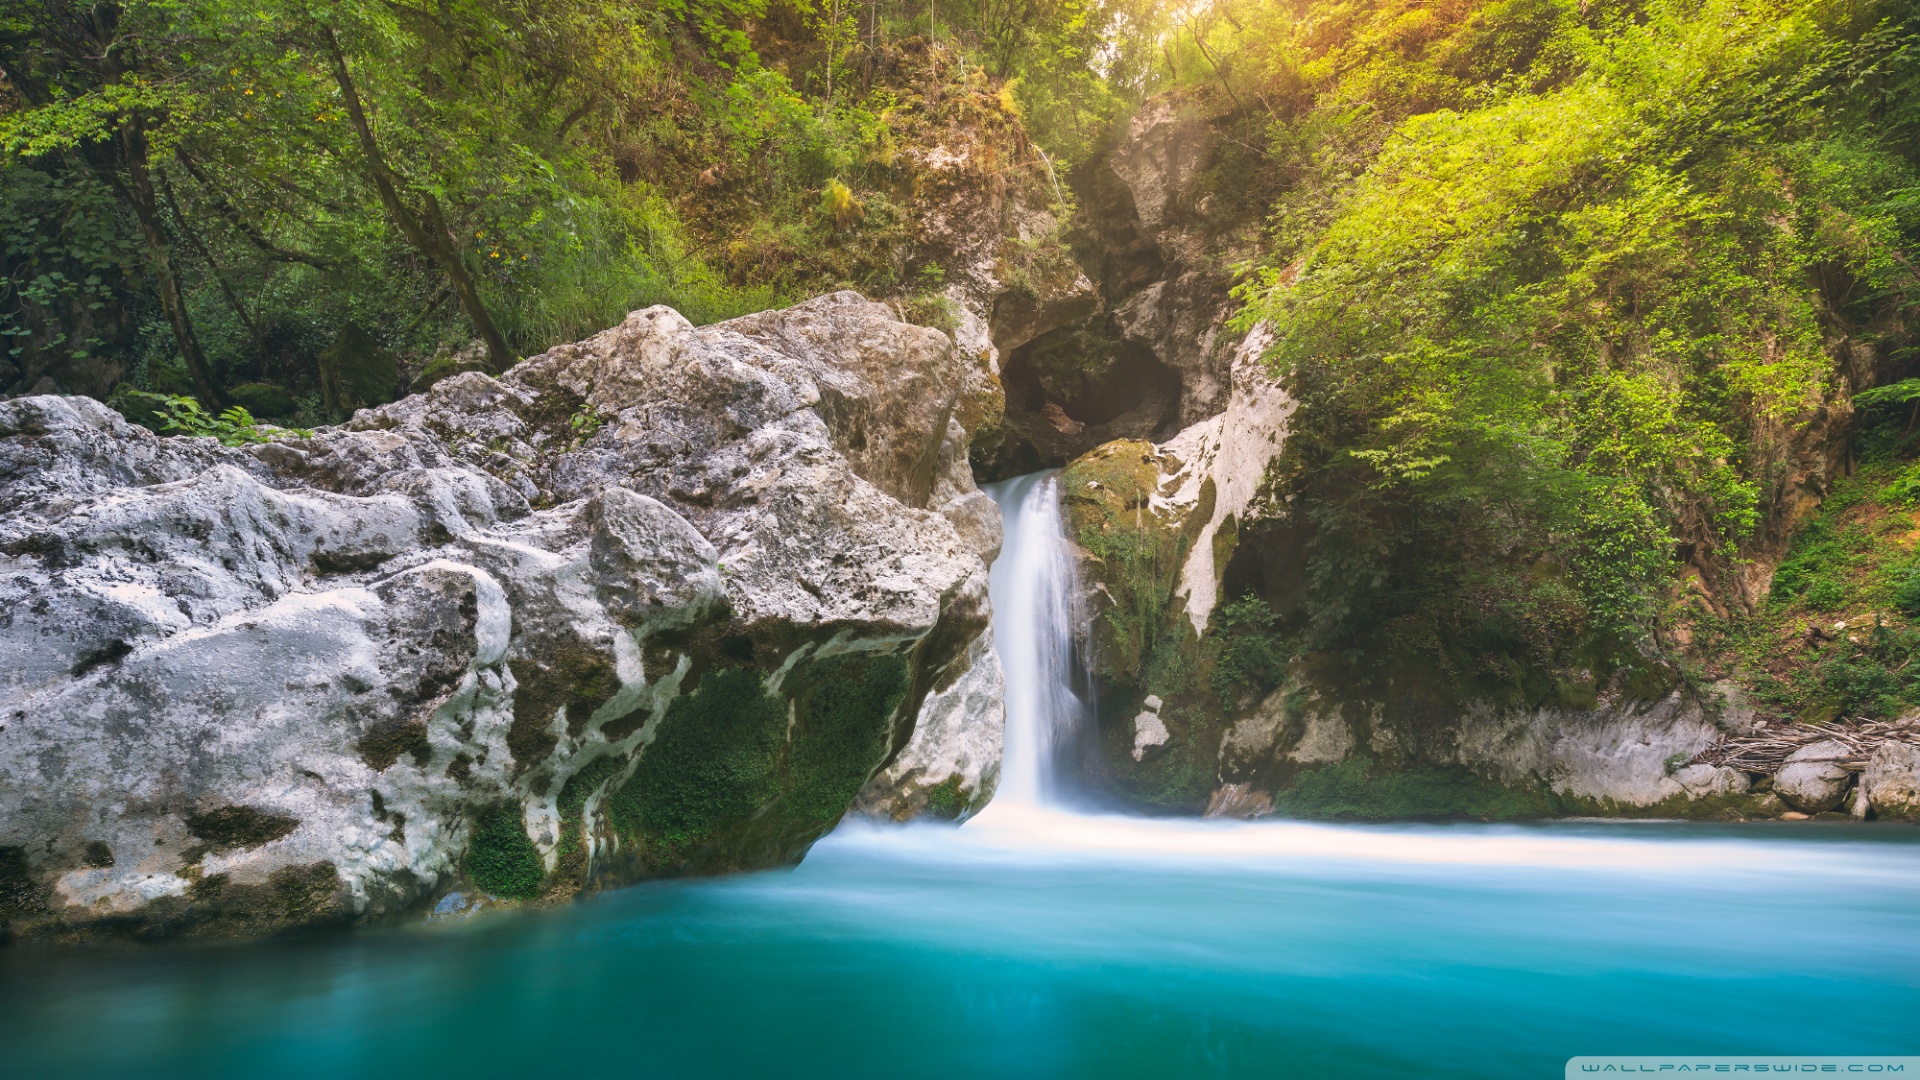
(661,601)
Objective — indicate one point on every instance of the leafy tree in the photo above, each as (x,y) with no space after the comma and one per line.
(104,87)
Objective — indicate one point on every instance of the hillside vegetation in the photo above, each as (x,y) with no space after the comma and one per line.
(271,203)
(1573,298)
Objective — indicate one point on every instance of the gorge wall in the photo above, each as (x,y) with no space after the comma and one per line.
(1146,351)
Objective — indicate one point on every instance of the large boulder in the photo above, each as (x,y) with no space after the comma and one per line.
(1892,781)
(663,601)
(1813,780)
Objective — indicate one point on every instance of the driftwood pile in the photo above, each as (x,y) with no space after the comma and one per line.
(1766,749)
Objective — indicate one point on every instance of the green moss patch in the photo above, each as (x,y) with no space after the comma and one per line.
(581,785)
(714,762)
(728,763)
(501,859)
(1353,790)
(232,828)
(947,800)
(844,707)
(570,860)
(1107,497)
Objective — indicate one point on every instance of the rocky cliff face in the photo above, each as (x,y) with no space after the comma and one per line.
(663,601)
(1159,239)
(1205,710)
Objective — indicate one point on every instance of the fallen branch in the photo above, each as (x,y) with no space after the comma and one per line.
(1766,750)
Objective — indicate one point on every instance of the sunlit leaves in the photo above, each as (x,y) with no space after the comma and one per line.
(1577,314)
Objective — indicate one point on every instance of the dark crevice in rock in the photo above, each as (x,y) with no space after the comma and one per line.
(111,652)
(238,828)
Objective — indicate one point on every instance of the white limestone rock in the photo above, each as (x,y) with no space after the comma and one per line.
(1149,730)
(1704,781)
(950,768)
(255,687)
(1891,781)
(1812,780)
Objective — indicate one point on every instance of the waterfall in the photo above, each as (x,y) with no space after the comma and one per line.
(1036,613)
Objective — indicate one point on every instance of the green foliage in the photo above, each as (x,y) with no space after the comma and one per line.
(1906,593)
(176,415)
(263,399)
(1903,491)
(585,422)
(931,309)
(202,195)
(500,857)
(1556,331)
(1254,647)
(1824,554)
(838,205)
(1354,790)
(1840,632)
(1904,392)
(714,761)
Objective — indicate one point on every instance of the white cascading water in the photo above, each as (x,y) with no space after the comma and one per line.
(1036,620)
(1035,617)
(1035,623)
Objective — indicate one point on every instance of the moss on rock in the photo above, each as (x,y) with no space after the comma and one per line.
(571,864)
(500,857)
(231,828)
(572,674)
(1354,790)
(383,745)
(20,895)
(947,800)
(714,761)
(843,709)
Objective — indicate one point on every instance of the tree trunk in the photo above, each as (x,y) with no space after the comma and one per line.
(138,191)
(426,231)
(219,276)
